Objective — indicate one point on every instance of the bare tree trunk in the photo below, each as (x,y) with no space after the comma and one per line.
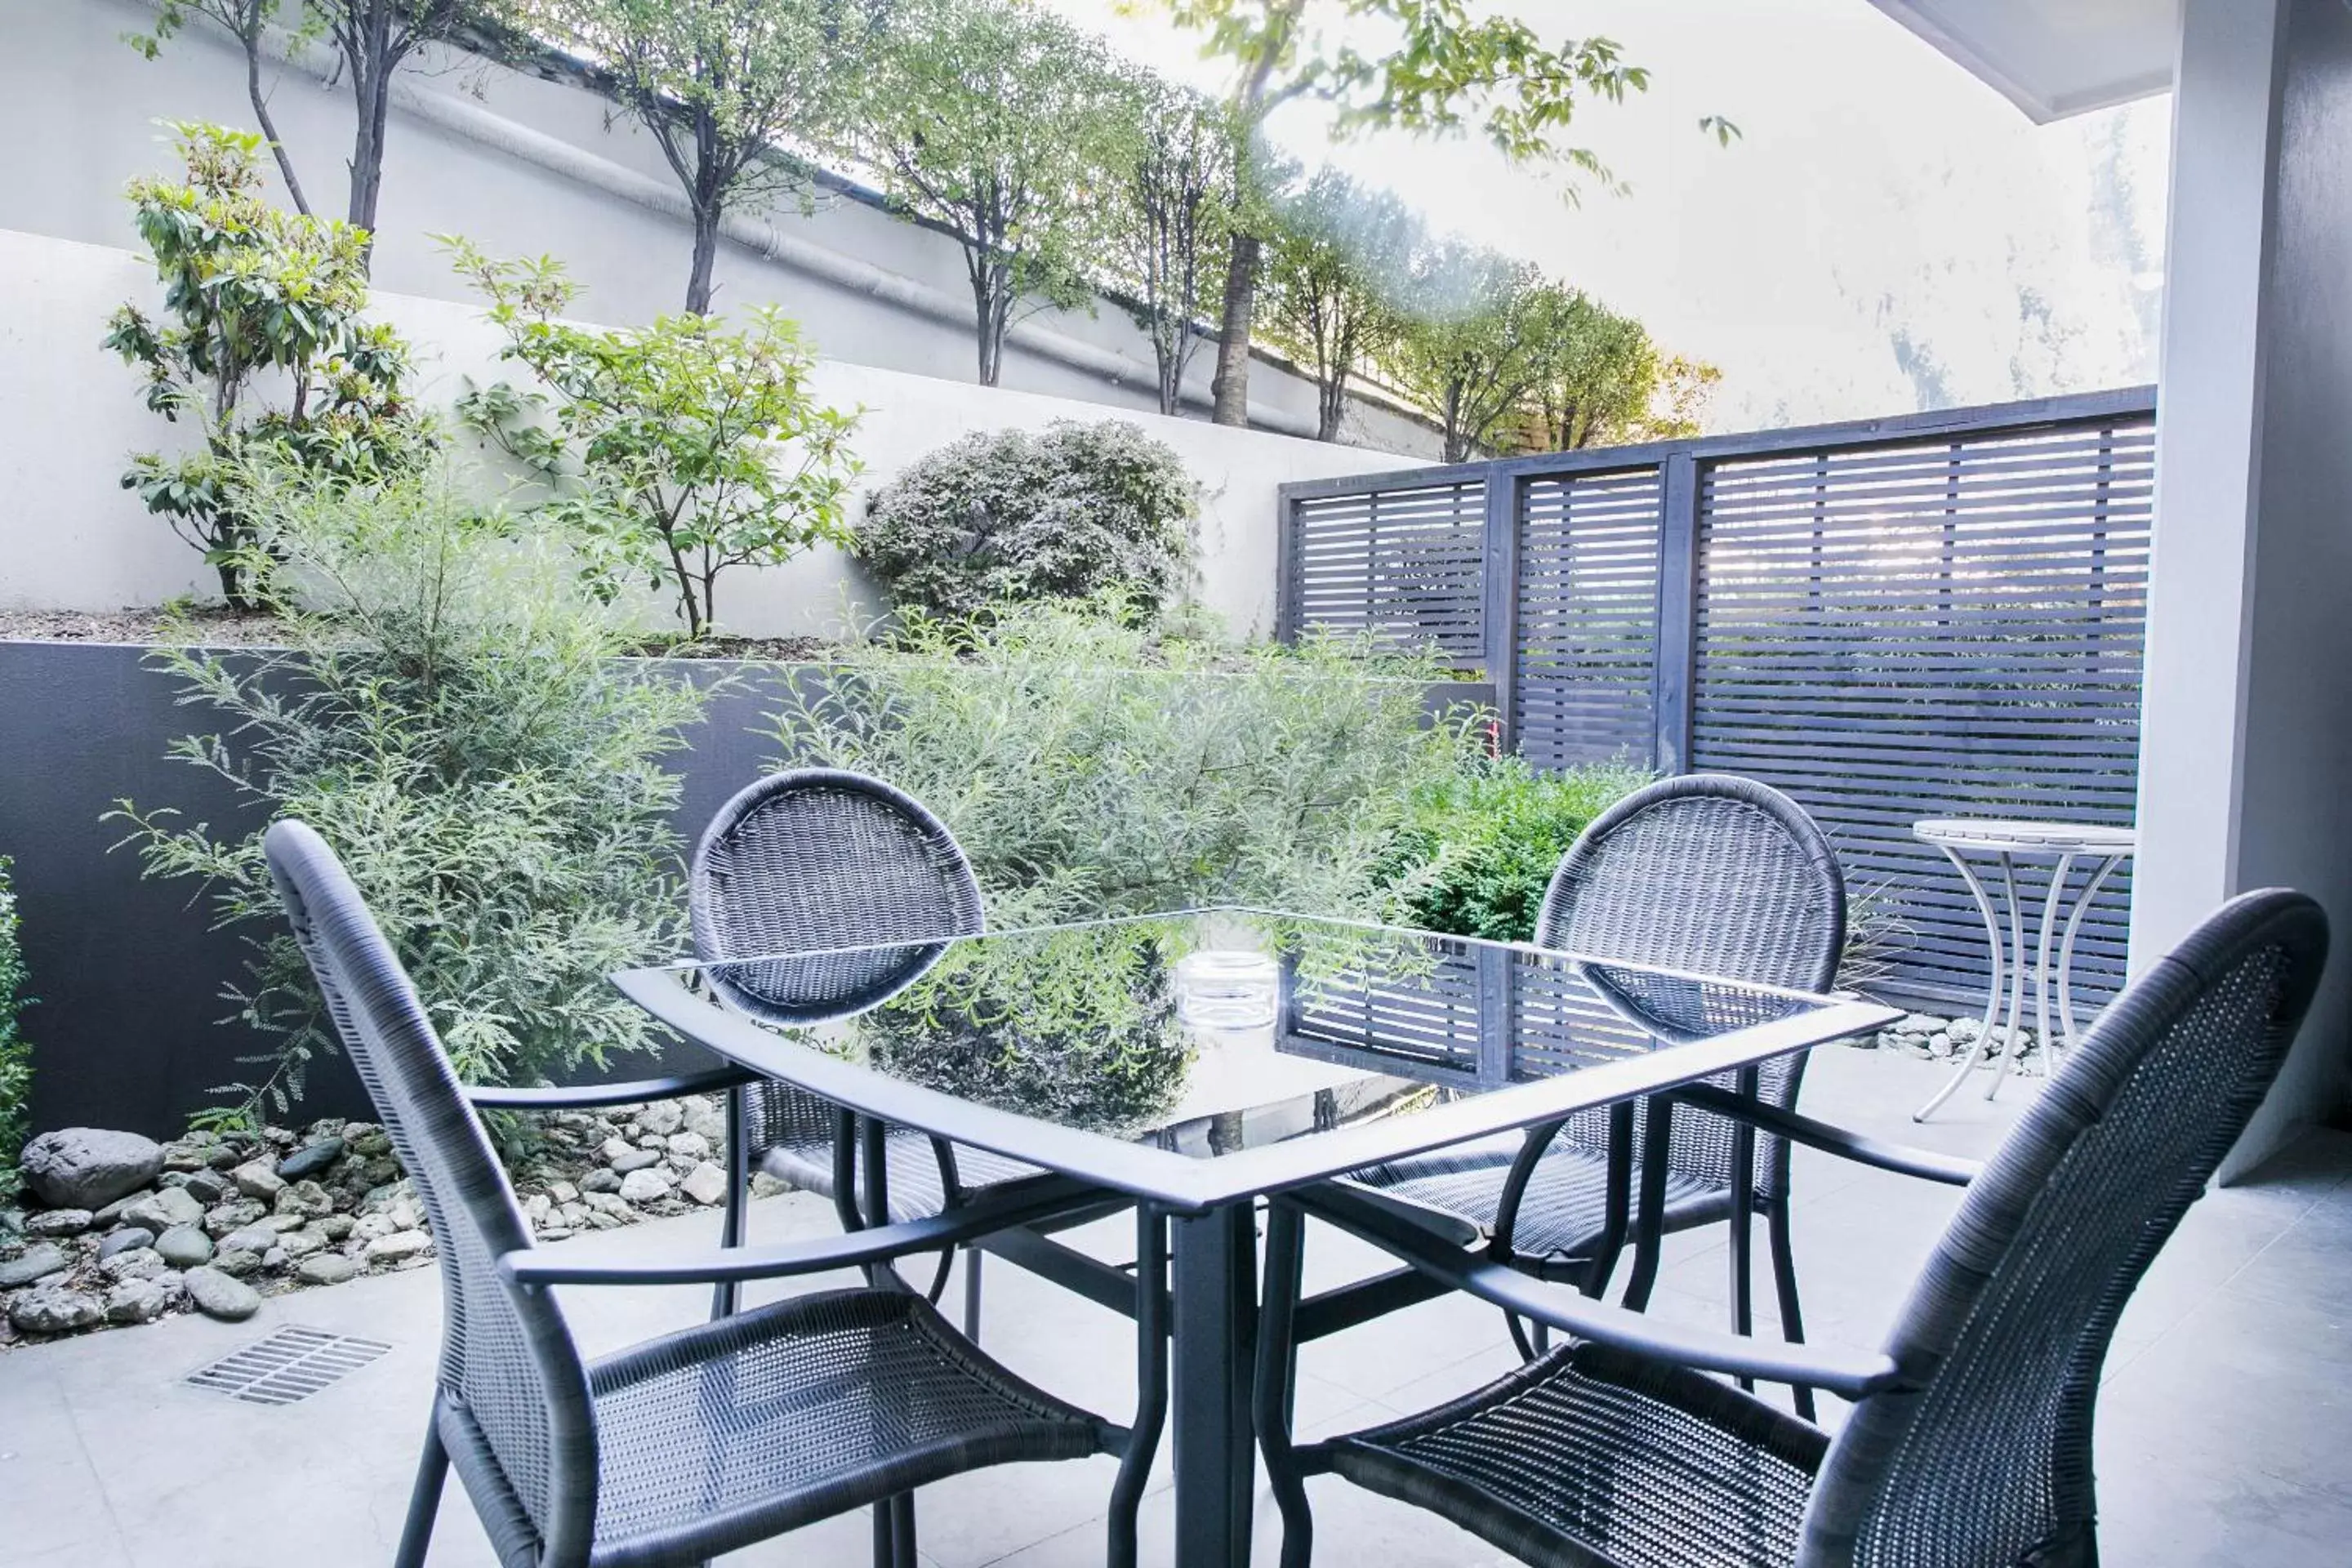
(261,100)
(1331,404)
(706,253)
(992,317)
(1231,388)
(372,63)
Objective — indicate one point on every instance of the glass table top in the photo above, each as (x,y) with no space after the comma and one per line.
(1163,1053)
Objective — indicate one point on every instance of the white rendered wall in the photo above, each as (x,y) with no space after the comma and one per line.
(2246,761)
(527,166)
(71,538)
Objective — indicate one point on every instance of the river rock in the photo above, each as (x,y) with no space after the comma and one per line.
(130,1238)
(162,1210)
(209,1187)
(258,1179)
(37,1262)
(136,1301)
(309,1162)
(139,1263)
(635,1159)
(643,1187)
(58,1222)
(662,1118)
(706,1183)
(236,1262)
(88,1167)
(693,1145)
(217,1294)
(54,1309)
(399,1245)
(185,1246)
(600,1180)
(325,1269)
(305,1200)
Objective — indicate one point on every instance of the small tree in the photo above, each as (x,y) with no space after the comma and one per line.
(1172,219)
(372,41)
(1605,381)
(1001,124)
(719,84)
(257,303)
(1444,71)
(1475,348)
(1338,266)
(676,450)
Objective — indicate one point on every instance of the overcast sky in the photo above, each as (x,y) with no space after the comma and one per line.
(1889,234)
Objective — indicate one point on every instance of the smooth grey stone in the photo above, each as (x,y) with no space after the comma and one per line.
(58,1222)
(162,1210)
(88,1167)
(128,1238)
(325,1269)
(635,1159)
(54,1310)
(217,1295)
(36,1263)
(185,1246)
(209,1187)
(600,1180)
(236,1262)
(136,1301)
(309,1162)
(258,1179)
(254,1238)
(139,1263)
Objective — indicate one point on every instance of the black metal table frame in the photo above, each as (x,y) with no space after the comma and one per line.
(1211,1307)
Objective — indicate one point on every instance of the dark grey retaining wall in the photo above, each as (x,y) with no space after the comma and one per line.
(128,1029)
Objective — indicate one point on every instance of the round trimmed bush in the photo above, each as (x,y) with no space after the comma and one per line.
(1016,516)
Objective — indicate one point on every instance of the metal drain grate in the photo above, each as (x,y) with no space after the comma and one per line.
(289,1365)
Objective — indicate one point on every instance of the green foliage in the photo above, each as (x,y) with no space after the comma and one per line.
(1480,341)
(1090,769)
(452,715)
(718,84)
(1009,517)
(1181,191)
(15,1051)
(1004,125)
(1338,271)
(254,298)
(673,452)
(1478,849)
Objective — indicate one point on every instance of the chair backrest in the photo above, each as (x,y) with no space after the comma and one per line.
(816,858)
(1718,874)
(1983,1460)
(514,1407)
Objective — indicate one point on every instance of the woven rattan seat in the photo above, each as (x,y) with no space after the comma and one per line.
(729,1433)
(1969,1445)
(1589,1455)
(1706,873)
(708,1439)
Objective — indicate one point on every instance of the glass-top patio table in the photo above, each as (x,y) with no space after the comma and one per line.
(1196,1061)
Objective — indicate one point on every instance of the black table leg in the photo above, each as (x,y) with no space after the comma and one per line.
(1215,1314)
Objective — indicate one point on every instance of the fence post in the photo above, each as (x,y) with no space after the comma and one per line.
(1285,566)
(1499,611)
(1671,685)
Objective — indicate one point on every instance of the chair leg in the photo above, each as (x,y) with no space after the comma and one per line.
(1784,1283)
(1150,1384)
(1742,1252)
(1277,1366)
(884,1557)
(971,1257)
(727,1296)
(1649,1215)
(425,1499)
(902,1531)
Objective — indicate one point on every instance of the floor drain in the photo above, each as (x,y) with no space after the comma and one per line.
(289,1366)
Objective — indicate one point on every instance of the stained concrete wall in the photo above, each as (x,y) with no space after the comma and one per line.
(525,165)
(71,538)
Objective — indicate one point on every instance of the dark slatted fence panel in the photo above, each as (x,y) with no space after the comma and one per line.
(1588,618)
(1898,632)
(1403,564)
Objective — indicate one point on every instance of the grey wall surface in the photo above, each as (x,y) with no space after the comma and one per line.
(128,971)
(508,160)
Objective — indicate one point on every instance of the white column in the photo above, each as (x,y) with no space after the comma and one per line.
(2246,764)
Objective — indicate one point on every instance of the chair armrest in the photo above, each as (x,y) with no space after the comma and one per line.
(1029,1201)
(1848,1373)
(594,1094)
(1902,1159)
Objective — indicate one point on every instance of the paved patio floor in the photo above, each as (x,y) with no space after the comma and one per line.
(2224,1428)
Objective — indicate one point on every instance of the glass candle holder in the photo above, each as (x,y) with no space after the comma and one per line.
(1220,989)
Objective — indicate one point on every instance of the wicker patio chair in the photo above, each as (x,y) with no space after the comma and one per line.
(702,1441)
(1969,1445)
(814,859)
(1709,873)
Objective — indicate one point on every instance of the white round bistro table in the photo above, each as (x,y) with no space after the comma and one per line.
(2007,843)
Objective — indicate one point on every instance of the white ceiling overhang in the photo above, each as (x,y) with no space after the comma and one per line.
(2053,57)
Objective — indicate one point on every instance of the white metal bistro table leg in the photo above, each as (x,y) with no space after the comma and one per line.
(2049,902)
(1993,995)
(2007,1047)
(2099,876)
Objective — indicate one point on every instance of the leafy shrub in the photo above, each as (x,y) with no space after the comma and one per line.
(15,1051)
(1091,768)
(256,297)
(674,452)
(451,716)
(1012,517)
(1478,849)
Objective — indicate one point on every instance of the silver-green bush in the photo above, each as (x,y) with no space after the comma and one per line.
(15,1051)
(453,716)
